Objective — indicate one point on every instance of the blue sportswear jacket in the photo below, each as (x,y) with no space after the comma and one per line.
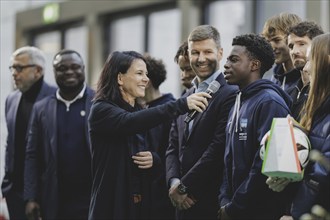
(244,192)
(287,81)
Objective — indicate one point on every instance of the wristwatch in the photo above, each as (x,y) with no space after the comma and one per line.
(182,189)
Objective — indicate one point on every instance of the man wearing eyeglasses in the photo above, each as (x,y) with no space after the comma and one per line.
(57,180)
(27,67)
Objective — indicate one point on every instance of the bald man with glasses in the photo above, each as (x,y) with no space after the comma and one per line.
(27,67)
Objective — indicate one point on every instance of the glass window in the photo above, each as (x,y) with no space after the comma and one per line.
(164,40)
(266,9)
(50,44)
(229,18)
(76,39)
(127,34)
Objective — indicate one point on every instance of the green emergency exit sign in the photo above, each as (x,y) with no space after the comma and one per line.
(51,13)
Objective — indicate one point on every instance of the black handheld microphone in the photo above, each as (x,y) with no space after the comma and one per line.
(213,88)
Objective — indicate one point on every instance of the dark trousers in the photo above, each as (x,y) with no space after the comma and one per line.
(16,205)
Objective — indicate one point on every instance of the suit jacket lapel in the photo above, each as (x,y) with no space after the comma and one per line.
(185,126)
(195,122)
(53,125)
(199,115)
(11,125)
(88,104)
(12,112)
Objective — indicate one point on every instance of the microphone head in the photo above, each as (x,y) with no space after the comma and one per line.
(213,87)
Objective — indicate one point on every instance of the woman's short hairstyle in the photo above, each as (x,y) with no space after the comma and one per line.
(117,62)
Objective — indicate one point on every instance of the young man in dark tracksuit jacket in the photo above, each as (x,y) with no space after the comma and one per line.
(244,193)
(275,31)
(286,80)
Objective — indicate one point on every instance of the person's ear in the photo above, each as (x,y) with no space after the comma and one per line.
(38,73)
(256,64)
(120,79)
(220,53)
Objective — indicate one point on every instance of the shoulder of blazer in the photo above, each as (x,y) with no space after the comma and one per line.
(90,92)
(12,101)
(89,98)
(46,90)
(13,95)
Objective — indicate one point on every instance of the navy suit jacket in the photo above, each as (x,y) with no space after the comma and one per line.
(11,107)
(197,158)
(40,175)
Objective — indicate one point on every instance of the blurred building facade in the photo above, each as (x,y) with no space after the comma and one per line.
(95,28)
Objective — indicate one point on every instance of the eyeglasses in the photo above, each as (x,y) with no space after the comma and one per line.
(64,68)
(19,68)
